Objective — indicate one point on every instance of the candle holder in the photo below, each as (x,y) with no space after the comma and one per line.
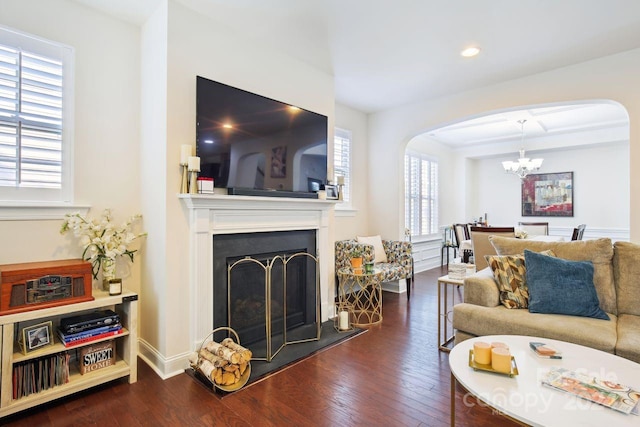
(184,185)
(193,182)
(340,191)
(342,320)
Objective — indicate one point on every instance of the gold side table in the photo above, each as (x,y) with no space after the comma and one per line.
(445,307)
(363,291)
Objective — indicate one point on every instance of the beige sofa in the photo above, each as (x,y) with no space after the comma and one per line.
(617,283)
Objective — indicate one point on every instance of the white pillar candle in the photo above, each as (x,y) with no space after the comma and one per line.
(343,320)
(194,163)
(186,151)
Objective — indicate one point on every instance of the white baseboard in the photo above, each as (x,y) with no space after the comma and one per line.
(164,367)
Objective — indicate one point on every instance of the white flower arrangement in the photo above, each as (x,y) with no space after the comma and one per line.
(102,240)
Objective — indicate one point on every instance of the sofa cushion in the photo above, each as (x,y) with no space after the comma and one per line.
(378,249)
(599,252)
(559,286)
(628,345)
(509,272)
(626,270)
(479,321)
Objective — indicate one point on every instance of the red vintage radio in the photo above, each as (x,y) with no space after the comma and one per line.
(35,285)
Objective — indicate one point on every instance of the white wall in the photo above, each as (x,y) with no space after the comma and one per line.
(601,190)
(195,47)
(614,77)
(355,221)
(107,130)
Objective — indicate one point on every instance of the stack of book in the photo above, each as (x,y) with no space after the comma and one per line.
(89,327)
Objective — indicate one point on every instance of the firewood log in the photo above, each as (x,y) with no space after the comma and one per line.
(222,351)
(217,361)
(218,376)
(207,369)
(245,353)
(230,368)
(242,367)
(228,378)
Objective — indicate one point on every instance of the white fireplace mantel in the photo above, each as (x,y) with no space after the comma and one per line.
(223,214)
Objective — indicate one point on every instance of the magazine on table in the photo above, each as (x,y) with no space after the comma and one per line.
(607,393)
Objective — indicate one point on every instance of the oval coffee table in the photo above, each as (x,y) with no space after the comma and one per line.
(524,399)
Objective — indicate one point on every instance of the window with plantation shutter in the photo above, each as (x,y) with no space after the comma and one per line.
(35,111)
(421,194)
(342,160)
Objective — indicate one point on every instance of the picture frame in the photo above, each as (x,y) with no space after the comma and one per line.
(36,336)
(548,194)
(332,192)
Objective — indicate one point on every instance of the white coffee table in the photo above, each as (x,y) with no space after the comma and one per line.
(524,399)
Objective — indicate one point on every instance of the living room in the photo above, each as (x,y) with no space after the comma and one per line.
(135,106)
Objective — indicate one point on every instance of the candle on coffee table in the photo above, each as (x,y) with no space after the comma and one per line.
(501,359)
(482,353)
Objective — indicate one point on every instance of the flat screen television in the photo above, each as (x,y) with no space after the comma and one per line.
(254,145)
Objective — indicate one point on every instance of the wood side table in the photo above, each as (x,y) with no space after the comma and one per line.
(444,309)
(363,291)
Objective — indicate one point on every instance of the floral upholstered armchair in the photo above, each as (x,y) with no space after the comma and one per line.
(399,261)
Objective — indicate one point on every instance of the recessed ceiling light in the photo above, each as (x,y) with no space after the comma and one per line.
(227,126)
(470,51)
(208,141)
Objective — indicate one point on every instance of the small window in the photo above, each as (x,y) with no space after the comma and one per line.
(35,119)
(342,161)
(421,194)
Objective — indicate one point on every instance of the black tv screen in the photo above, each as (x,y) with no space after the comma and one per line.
(248,141)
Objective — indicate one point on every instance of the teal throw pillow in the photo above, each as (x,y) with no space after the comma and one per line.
(560,286)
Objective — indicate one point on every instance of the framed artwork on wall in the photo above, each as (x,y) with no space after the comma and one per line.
(548,194)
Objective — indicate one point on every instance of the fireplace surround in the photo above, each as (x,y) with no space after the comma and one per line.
(217,215)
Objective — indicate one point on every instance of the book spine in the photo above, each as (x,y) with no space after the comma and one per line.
(92,338)
(88,333)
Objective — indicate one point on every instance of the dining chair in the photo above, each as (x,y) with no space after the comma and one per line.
(481,244)
(535,228)
(578,232)
(449,241)
(463,238)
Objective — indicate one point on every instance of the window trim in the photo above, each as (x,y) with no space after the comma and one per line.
(345,205)
(26,199)
(434,160)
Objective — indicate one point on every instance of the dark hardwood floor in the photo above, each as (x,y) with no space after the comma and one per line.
(393,375)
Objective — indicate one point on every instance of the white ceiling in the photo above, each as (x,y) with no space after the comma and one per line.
(550,123)
(386,53)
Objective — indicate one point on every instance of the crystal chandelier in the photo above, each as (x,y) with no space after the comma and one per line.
(524,165)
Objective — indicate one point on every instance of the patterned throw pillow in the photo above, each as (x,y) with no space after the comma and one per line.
(511,275)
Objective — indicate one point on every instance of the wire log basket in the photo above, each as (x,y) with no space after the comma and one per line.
(240,382)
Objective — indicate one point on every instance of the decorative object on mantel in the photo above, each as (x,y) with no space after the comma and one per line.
(103,242)
(340,187)
(205,185)
(548,194)
(186,151)
(523,166)
(194,168)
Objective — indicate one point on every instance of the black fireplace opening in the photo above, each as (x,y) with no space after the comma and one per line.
(240,293)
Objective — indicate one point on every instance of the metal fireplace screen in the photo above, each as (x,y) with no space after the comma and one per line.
(267,301)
